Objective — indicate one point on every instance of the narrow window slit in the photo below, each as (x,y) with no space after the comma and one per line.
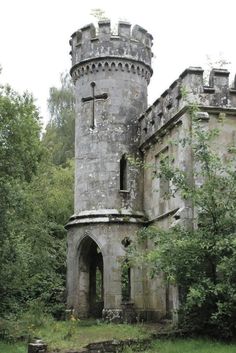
(125,281)
(123,173)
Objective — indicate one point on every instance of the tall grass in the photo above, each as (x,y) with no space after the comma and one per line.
(74,334)
(188,346)
(13,348)
(77,334)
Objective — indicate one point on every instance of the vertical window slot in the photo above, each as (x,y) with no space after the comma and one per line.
(123,173)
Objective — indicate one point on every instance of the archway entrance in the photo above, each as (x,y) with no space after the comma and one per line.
(91,300)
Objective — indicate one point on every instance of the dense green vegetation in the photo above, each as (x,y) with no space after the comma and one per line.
(36,192)
(201,259)
(59,136)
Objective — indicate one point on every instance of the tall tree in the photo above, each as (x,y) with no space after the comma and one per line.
(36,193)
(59,135)
(20,149)
(36,201)
(20,154)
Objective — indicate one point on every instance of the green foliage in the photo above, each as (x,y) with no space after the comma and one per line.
(19,138)
(199,257)
(33,255)
(13,348)
(59,135)
(36,201)
(20,155)
(24,326)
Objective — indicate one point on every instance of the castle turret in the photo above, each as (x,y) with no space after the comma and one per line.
(111,74)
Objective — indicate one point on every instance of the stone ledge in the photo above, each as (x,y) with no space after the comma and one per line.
(87,220)
(106,216)
(107,212)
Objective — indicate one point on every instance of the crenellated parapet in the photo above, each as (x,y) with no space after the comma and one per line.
(95,50)
(189,87)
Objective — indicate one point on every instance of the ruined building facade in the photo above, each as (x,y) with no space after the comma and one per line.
(114,197)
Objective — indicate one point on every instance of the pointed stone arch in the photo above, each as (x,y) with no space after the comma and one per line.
(90,278)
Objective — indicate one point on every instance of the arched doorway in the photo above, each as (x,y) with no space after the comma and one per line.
(91,296)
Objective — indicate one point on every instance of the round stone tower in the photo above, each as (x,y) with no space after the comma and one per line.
(111,74)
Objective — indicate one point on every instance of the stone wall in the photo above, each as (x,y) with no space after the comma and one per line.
(162,127)
(168,107)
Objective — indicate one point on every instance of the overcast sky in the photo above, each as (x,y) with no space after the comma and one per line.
(34,38)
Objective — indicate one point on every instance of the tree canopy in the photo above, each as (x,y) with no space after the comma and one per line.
(36,192)
(59,135)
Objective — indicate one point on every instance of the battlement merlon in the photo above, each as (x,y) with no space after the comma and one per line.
(130,43)
(189,87)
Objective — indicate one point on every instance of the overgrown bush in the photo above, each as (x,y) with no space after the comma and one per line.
(23,326)
(36,200)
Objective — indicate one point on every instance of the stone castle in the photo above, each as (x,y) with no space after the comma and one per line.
(114,198)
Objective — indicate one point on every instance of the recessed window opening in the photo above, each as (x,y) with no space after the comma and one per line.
(123,173)
(125,281)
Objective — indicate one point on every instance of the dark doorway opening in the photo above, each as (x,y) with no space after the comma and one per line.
(96,282)
(91,298)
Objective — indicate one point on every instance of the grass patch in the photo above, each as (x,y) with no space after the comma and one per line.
(74,334)
(13,348)
(188,346)
(77,334)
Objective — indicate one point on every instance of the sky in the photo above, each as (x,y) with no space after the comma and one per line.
(34,38)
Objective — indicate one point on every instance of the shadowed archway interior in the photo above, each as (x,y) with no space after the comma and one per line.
(91,300)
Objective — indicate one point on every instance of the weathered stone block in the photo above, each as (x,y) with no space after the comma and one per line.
(38,346)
